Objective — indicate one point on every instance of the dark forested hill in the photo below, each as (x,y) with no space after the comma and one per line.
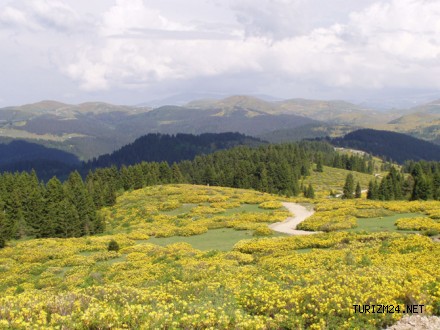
(395,146)
(19,151)
(171,148)
(20,155)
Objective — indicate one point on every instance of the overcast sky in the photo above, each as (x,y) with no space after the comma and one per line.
(134,51)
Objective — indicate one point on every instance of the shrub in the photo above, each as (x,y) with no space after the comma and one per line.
(113,246)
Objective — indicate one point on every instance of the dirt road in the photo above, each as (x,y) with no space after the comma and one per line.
(300,213)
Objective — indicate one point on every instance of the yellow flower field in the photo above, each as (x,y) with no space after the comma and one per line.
(297,282)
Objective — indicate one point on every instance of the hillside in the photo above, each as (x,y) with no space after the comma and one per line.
(142,273)
(92,129)
(390,145)
(421,121)
(20,155)
(171,148)
(310,131)
(95,128)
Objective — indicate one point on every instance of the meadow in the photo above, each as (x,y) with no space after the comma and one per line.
(199,257)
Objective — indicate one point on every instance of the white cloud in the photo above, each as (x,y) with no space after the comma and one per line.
(40,15)
(139,45)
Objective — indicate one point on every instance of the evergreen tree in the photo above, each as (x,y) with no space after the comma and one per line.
(68,223)
(348,190)
(319,166)
(358,191)
(310,192)
(15,224)
(80,198)
(177,176)
(3,234)
(373,188)
(422,189)
(305,170)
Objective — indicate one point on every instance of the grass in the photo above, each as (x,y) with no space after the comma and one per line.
(246,208)
(216,239)
(334,179)
(383,223)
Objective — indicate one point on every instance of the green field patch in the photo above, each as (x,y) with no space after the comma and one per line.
(247,208)
(302,251)
(88,253)
(216,239)
(112,261)
(383,223)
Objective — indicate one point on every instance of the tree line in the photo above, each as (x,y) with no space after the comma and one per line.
(31,208)
(416,181)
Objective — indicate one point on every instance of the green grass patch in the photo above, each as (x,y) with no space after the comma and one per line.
(383,223)
(302,251)
(334,179)
(216,239)
(246,208)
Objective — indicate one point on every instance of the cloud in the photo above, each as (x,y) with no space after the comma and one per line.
(260,44)
(40,15)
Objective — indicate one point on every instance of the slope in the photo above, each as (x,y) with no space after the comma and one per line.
(171,148)
(391,145)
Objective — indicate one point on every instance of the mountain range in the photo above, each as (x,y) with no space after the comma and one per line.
(92,129)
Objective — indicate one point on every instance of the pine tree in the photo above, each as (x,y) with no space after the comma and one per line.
(358,191)
(348,190)
(68,223)
(319,166)
(80,198)
(310,192)
(372,192)
(177,176)
(305,170)
(422,189)
(3,236)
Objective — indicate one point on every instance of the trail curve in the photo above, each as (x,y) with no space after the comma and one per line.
(288,226)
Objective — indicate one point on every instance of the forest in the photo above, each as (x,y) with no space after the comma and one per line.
(416,181)
(32,208)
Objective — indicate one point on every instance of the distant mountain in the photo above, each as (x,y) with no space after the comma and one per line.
(390,145)
(310,131)
(333,112)
(95,128)
(171,148)
(422,121)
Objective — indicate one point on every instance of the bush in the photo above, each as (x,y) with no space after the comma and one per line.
(430,232)
(113,246)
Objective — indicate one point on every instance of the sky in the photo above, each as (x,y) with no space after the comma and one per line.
(141,51)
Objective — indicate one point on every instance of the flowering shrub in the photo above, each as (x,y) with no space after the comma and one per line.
(295,282)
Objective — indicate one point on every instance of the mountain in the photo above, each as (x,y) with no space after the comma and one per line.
(330,112)
(390,145)
(95,128)
(85,129)
(310,131)
(422,121)
(171,148)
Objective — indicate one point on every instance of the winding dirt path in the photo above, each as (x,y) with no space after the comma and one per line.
(300,213)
